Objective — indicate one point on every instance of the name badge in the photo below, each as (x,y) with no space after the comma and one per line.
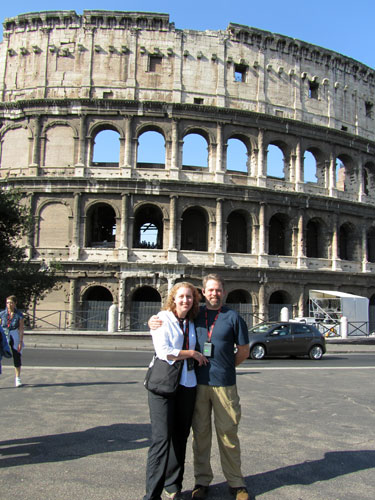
(207,349)
(190,364)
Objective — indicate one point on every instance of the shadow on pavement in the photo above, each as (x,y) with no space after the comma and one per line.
(74,445)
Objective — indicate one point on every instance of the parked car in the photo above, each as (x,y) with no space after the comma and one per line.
(286,339)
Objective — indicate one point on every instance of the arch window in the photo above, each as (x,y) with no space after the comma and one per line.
(277,238)
(371,245)
(95,305)
(106,149)
(277,301)
(312,239)
(310,167)
(194,230)
(275,162)
(15,148)
(237,234)
(101,226)
(240,301)
(151,150)
(347,242)
(236,156)
(148,227)
(59,146)
(195,152)
(53,229)
(145,302)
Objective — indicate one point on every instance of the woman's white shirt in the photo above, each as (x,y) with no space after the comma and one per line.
(169,339)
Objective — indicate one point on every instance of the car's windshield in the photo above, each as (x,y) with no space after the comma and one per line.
(263,327)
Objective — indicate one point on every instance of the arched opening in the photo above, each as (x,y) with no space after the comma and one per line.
(277,301)
(106,149)
(347,242)
(145,302)
(237,156)
(237,233)
(148,227)
(151,150)
(371,245)
(101,226)
(194,152)
(310,168)
(194,230)
(95,305)
(240,301)
(275,162)
(279,240)
(371,314)
(312,239)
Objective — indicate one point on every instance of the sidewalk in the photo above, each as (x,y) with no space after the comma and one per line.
(141,341)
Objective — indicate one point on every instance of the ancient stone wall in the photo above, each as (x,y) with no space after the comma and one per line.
(65,78)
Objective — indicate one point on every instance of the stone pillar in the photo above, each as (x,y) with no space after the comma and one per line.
(36,147)
(262,247)
(332,175)
(219,253)
(262,172)
(75,246)
(30,234)
(73,303)
(262,302)
(172,250)
(121,305)
(126,166)
(298,173)
(361,187)
(364,249)
(80,166)
(175,166)
(220,161)
(301,258)
(335,244)
(123,249)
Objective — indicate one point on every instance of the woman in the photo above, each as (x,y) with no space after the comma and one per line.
(12,322)
(171,417)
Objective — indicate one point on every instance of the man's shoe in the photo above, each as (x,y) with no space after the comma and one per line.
(176,495)
(18,382)
(199,491)
(240,493)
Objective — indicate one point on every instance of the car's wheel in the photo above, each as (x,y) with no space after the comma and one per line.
(316,352)
(257,352)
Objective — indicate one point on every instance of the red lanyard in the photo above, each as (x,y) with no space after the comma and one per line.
(9,320)
(211,329)
(184,323)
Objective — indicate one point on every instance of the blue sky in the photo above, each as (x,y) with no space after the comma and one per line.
(344,26)
(341,25)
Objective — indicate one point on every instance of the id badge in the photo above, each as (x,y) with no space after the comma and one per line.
(190,364)
(207,349)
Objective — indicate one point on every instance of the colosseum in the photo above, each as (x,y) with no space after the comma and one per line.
(125,231)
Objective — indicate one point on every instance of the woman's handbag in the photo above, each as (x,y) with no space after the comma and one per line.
(163,378)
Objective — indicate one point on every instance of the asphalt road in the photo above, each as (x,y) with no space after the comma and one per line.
(79,429)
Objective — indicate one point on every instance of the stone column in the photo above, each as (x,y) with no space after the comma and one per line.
(220,161)
(175,166)
(36,147)
(75,246)
(121,305)
(335,246)
(172,250)
(73,303)
(123,250)
(126,162)
(262,247)
(301,258)
(82,153)
(262,172)
(364,249)
(219,253)
(298,173)
(361,187)
(262,301)
(332,175)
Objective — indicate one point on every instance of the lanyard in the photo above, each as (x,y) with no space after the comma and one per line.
(211,329)
(184,325)
(9,320)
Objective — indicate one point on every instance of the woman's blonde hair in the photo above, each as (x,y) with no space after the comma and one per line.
(171,306)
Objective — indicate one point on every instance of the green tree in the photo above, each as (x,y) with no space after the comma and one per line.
(19,276)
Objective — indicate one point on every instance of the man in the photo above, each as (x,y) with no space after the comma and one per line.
(219,331)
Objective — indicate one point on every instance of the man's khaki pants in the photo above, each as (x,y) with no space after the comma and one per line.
(225,403)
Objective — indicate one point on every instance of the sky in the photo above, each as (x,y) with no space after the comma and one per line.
(343,26)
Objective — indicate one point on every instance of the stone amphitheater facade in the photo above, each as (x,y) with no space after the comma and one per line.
(65,78)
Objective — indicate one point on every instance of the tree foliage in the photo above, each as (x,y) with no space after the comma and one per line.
(20,276)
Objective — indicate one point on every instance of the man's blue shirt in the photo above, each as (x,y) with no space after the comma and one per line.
(229,330)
